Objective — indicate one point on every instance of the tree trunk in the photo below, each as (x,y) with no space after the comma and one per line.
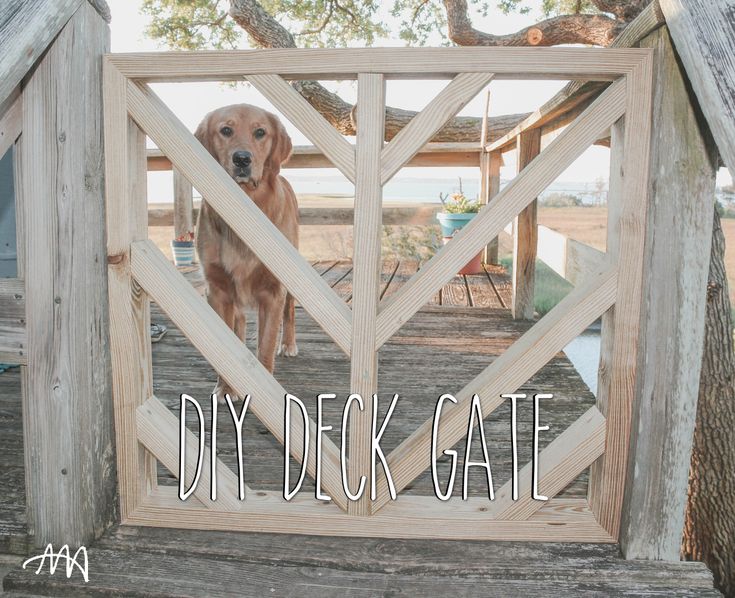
(709,530)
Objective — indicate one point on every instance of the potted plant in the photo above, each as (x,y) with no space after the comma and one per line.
(182,248)
(457,211)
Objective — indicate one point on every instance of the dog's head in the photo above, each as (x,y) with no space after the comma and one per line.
(249,142)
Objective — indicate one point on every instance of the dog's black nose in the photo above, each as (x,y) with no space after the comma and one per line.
(242,159)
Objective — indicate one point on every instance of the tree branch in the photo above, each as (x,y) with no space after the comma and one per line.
(598,30)
(266,32)
(624,10)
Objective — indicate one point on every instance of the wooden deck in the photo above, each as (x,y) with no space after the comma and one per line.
(442,348)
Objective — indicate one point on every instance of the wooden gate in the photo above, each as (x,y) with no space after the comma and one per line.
(147,432)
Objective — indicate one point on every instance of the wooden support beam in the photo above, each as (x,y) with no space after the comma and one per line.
(525,236)
(609,475)
(11,123)
(490,163)
(67,406)
(703,35)
(26,30)
(183,205)
(366,277)
(676,265)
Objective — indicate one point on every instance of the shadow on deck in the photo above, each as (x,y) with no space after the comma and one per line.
(442,348)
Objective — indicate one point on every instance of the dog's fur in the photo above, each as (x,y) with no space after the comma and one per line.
(235,277)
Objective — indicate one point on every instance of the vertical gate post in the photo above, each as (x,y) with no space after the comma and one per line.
(67,406)
(677,253)
(490,163)
(366,277)
(525,235)
(183,205)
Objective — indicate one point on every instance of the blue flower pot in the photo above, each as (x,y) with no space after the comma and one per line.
(183,252)
(451,223)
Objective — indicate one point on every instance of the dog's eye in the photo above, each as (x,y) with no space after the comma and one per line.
(226,131)
(259,133)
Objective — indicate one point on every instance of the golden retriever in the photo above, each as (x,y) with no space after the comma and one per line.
(250,144)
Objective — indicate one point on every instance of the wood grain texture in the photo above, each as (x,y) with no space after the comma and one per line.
(310,156)
(11,124)
(412,517)
(27,27)
(704,34)
(421,63)
(306,118)
(366,277)
(508,203)
(241,214)
(417,133)
(507,373)
(606,498)
(132,382)
(525,236)
(678,239)
(70,476)
(183,220)
(490,165)
(229,357)
(421,214)
(13,321)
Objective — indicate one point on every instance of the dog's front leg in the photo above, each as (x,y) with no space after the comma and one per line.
(270,315)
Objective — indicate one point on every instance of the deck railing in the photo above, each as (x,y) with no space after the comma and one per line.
(147,432)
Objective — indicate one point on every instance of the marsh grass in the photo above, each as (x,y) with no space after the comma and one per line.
(550,288)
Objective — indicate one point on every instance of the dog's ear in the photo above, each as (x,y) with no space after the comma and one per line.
(202,134)
(281,148)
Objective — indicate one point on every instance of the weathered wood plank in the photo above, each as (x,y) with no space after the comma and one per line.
(594,64)
(366,277)
(704,36)
(11,124)
(525,236)
(678,239)
(70,476)
(12,321)
(183,206)
(606,498)
(26,29)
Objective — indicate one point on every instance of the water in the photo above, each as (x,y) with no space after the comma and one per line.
(584,353)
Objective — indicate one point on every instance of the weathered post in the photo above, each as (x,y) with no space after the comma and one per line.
(525,235)
(67,404)
(677,253)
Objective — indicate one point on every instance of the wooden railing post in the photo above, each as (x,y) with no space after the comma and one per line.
(183,205)
(490,163)
(67,404)
(676,265)
(525,235)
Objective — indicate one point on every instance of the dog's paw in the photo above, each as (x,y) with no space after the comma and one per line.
(288,350)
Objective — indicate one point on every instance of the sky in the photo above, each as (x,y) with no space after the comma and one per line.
(191,101)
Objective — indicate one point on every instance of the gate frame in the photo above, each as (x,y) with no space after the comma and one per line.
(137,270)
